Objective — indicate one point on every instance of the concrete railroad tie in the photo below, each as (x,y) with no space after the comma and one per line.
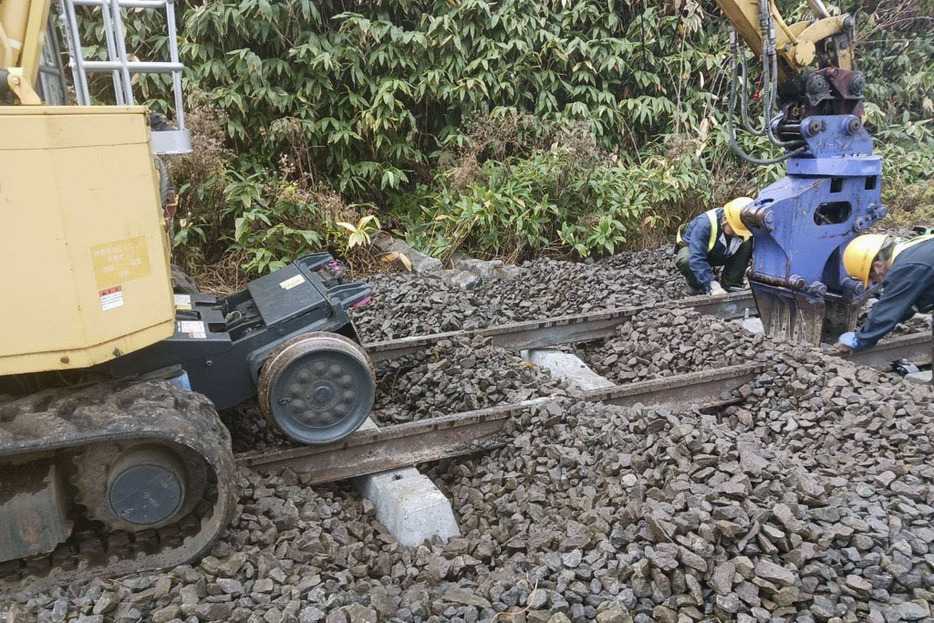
(408,503)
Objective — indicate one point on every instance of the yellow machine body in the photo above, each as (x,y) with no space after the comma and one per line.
(86,275)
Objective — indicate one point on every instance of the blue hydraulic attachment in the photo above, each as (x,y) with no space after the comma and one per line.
(802,223)
(830,194)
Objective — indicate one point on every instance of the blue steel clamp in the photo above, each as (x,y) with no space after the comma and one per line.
(802,223)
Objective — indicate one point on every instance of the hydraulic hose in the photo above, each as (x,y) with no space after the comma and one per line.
(744,94)
(731,130)
(769,72)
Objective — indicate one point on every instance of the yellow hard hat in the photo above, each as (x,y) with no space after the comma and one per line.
(732,211)
(860,253)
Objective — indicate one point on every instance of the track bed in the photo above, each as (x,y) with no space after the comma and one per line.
(796,487)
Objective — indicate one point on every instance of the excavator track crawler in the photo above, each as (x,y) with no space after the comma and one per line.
(120,478)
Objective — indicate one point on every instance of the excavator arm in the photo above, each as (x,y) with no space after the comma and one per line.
(825,40)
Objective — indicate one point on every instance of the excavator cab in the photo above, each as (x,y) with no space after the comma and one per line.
(110,462)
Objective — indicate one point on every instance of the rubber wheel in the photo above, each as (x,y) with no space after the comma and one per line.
(317,388)
(182,283)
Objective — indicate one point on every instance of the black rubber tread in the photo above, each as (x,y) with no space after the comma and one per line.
(67,421)
(182,283)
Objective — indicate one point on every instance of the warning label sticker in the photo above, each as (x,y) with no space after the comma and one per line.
(192,328)
(291,282)
(120,261)
(111,298)
(183,301)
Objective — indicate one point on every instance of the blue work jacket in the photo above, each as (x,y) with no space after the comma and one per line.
(697,237)
(908,283)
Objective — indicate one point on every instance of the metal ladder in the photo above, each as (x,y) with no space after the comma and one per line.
(172,141)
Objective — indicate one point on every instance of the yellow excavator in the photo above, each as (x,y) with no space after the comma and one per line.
(112,456)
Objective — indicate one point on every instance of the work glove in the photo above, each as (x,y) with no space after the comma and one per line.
(716,289)
(846,342)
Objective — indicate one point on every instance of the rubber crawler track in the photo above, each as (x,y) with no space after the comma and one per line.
(64,421)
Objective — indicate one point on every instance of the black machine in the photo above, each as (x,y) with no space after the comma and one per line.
(321,386)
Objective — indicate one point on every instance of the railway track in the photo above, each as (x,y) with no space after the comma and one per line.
(449,436)
(564,329)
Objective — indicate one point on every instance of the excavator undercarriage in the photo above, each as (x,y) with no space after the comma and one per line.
(112,477)
(106,475)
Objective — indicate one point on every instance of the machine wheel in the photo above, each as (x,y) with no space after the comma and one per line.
(140,486)
(317,388)
(182,283)
(96,461)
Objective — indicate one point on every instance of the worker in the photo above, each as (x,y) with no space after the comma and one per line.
(906,271)
(717,237)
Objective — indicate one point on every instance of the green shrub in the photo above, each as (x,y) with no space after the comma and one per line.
(373,92)
(381,102)
(898,58)
(567,197)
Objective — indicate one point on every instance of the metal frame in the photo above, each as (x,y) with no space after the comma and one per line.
(51,84)
(121,68)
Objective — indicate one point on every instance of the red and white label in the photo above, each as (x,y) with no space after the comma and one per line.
(194,329)
(111,298)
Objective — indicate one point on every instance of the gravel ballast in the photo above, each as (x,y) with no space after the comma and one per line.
(784,508)
(406,304)
(808,501)
(659,343)
(455,375)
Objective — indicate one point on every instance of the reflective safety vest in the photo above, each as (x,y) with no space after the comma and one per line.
(901,246)
(712,217)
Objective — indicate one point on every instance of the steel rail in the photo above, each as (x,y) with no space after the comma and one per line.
(433,439)
(399,445)
(563,329)
(916,347)
(703,389)
(532,334)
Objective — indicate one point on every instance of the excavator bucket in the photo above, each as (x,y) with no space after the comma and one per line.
(803,221)
(789,315)
(841,314)
(803,317)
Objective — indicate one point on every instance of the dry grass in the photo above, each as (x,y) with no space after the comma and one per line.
(221,278)
(226,276)
(911,205)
